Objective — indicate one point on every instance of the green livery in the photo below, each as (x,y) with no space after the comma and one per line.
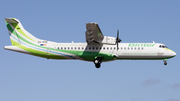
(98,48)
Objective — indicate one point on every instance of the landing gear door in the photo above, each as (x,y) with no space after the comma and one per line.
(48,51)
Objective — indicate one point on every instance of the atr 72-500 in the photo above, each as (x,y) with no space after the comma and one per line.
(98,48)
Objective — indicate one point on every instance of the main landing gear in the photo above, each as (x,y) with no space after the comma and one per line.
(165,61)
(97,62)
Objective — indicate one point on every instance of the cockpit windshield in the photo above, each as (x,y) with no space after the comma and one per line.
(162,46)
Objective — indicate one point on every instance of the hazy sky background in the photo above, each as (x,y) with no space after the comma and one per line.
(29,78)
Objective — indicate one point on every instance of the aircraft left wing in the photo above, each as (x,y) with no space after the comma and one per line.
(94,35)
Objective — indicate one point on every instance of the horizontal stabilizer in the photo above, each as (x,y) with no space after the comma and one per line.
(16,49)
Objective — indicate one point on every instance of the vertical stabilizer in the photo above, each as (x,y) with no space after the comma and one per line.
(18,35)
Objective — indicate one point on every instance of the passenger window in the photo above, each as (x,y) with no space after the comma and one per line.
(124,48)
(93,48)
(82,48)
(58,47)
(64,48)
(131,48)
(61,47)
(68,48)
(111,48)
(142,48)
(134,48)
(100,48)
(121,48)
(114,48)
(107,48)
(96,48)
(138,48)
(74,48)
(89,48)
(128,48)
(78,48)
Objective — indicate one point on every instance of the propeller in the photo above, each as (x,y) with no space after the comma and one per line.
(117,39)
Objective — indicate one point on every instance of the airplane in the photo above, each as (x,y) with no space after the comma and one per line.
(98,48)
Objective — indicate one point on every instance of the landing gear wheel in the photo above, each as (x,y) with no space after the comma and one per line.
(97,62)
(98,65)
(165,61)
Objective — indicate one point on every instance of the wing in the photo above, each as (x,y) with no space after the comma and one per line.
(93,33)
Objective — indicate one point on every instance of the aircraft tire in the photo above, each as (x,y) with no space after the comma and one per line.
(97,62)
(98,65)
(165,63)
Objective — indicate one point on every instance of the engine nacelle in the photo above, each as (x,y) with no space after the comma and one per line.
(108,40)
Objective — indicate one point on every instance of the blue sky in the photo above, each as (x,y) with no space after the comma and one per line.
(29,78)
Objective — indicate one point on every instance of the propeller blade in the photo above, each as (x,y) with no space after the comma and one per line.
(117,39)
(118,34)
(117,46)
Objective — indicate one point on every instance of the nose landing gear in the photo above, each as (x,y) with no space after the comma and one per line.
(97,62)
(165,61)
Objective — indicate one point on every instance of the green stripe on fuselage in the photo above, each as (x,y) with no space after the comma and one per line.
(87,55)
(38,53)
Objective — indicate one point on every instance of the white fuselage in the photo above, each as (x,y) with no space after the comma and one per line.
(99,48)
(125,51)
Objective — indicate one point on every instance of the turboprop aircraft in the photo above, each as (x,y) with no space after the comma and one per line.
(98,48)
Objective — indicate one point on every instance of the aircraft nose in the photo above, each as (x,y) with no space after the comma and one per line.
(173,53)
